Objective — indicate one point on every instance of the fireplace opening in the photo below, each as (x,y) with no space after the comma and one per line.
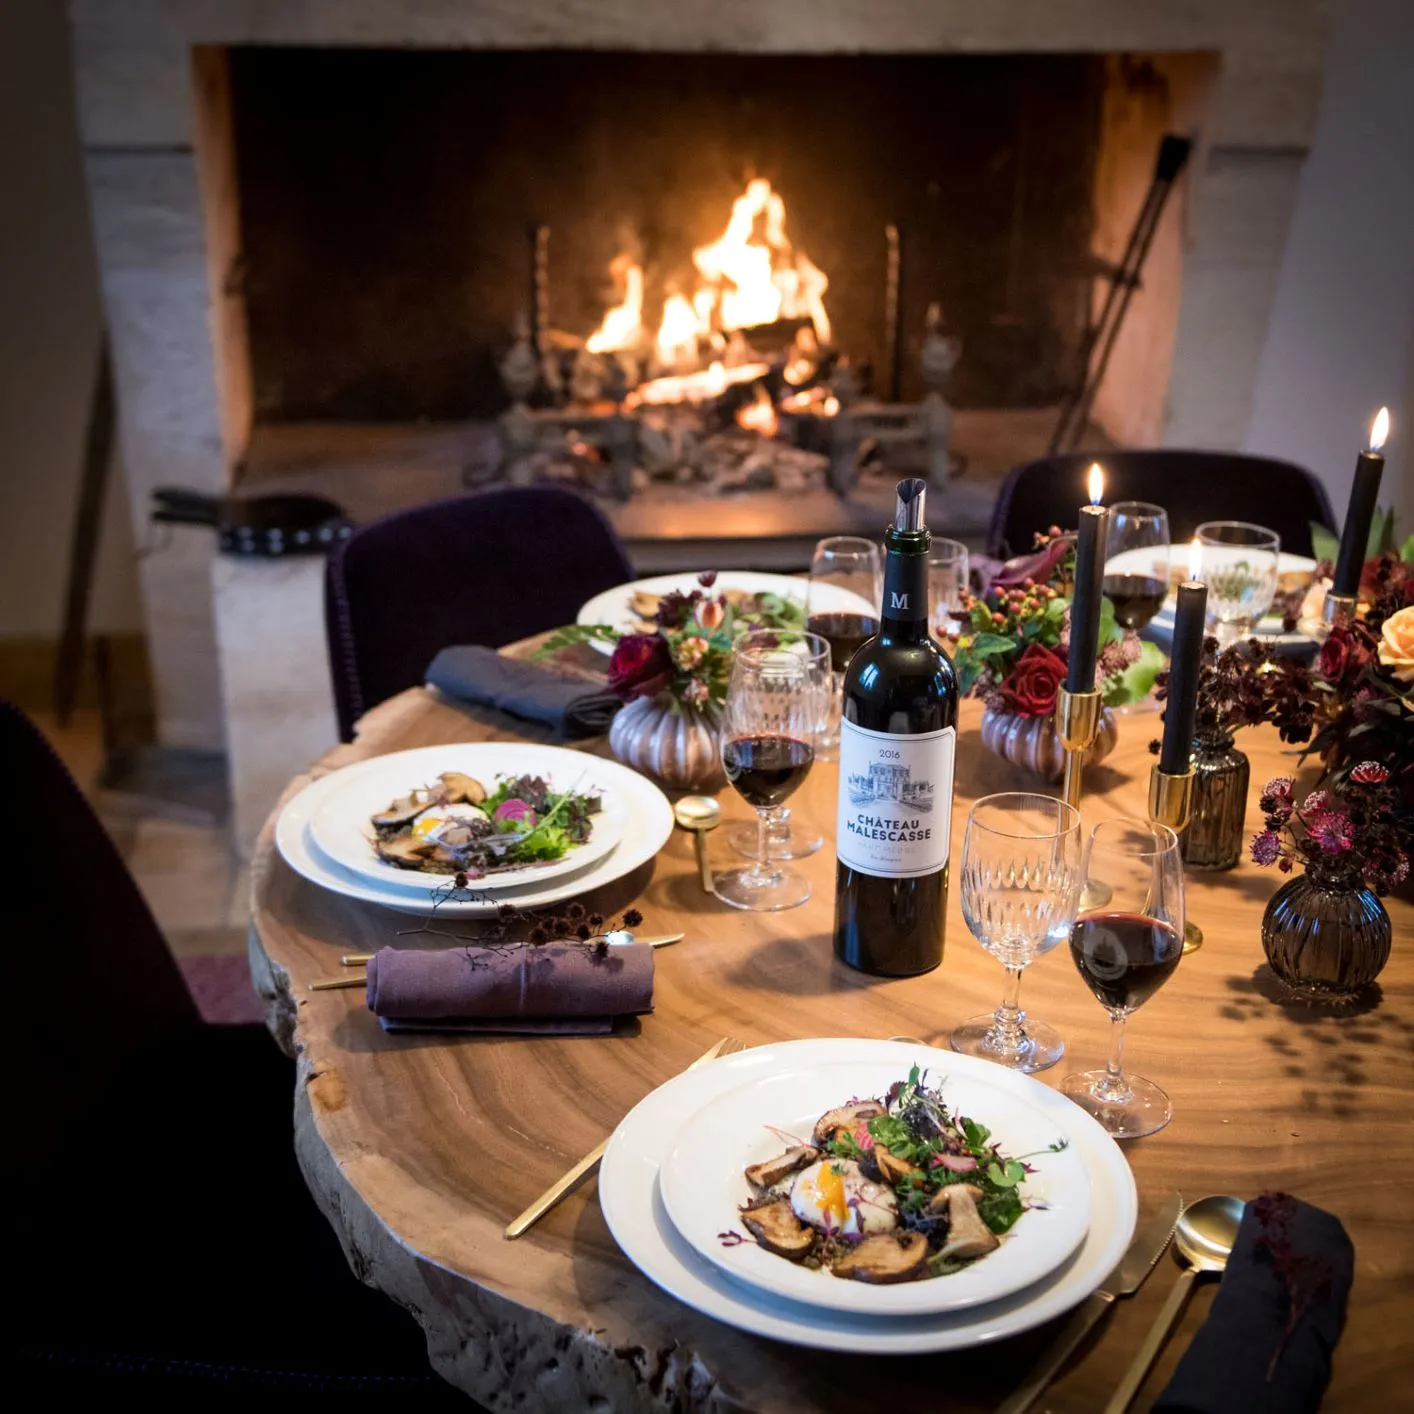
(658,276)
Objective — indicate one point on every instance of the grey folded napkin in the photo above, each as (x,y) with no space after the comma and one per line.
(485,678)
(561,989)
(1266,1345)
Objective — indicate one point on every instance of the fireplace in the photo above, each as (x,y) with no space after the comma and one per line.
(316,227)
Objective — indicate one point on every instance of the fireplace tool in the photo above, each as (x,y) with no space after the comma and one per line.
(1124,280)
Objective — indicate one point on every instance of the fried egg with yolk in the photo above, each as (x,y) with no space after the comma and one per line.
(432,824)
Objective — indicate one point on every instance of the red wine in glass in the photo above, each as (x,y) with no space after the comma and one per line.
(1136,597)
(844,633)
(766,769)
(1125,957)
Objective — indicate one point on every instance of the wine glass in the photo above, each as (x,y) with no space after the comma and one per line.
(767,750)
(786,838)
(1020,890)
(852,564)
(1136,561)
(1240,565)
(1126,950)
(947,582)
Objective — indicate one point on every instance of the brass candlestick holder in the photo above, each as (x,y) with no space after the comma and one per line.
(1077,725)
(1170,800)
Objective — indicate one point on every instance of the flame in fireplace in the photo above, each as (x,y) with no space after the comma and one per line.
(753,275)
(622,327)
(759,415)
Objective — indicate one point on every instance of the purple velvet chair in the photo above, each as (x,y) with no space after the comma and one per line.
(1191,486)
(486,568)
(154,1155)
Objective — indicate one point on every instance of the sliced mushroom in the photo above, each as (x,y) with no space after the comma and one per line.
(845,1116)
(401,812)
(885,1258)
(892,1169)
(770,1173)
(458,788)
(405,852)
(968,1236)
(776,1228)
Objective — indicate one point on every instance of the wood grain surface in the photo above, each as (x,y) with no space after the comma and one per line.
(421,1148)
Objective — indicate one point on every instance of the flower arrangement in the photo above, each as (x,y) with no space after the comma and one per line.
(1363,685)
(686,660)
(1349,835)
(1244,685)
(1014,649)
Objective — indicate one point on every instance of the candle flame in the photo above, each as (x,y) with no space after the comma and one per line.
(1096,483)
(1379,430)
(1195,560)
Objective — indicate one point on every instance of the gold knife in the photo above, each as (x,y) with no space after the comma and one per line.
(567,1181)
(362,959)
(1134,1267)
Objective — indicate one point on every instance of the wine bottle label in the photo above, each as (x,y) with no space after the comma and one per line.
(895,813)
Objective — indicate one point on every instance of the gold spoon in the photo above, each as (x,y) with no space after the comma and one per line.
(699,813)
(1203,1242)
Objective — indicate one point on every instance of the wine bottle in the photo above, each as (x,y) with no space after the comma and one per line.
(898,739)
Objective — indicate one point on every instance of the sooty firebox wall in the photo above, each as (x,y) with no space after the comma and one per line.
(386,200)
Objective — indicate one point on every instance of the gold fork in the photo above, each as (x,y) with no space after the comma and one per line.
(570,1180)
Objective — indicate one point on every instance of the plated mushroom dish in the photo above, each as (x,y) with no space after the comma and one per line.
(890,1190)
(456,826)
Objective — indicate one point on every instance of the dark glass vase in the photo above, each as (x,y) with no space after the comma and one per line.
(1326,935)
(1213,839)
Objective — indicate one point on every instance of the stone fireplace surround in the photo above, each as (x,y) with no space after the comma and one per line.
(1244,76)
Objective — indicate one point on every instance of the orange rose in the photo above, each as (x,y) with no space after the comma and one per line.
(1397,644)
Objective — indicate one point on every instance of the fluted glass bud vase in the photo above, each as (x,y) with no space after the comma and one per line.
(1325,934)
(1214,837)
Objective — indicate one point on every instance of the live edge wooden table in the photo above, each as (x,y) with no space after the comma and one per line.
(419,1149)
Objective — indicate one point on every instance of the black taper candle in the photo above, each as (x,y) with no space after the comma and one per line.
(1085,602)
(1181,704)
(1359,516)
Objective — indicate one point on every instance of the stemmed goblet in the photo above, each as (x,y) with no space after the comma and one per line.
(1020,890)
(1241,564)
(767,751)
(1126,950)
(852,564)
(786,838)
(1137,553)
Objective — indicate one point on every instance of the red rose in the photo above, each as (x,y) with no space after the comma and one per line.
(1335,655)
(641,666)
(1030,688)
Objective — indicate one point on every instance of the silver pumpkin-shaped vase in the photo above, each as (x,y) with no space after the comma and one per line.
(678,746)
(1032,742)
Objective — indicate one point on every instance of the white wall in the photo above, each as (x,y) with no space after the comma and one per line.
(49,330)
(1341,340)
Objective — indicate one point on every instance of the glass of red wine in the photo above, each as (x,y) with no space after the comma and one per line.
(787,837)
(1126,950)
(846,588)
(1021,881)
(1137,553)
(768,747)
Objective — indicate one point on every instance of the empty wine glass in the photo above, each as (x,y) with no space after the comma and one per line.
(947,582)
(1020,891)
(1126,950)
(786,837)
(767,750)
(1240,565)
(1136,561)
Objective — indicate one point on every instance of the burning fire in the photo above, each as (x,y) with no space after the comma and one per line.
(759,415)
(751,275)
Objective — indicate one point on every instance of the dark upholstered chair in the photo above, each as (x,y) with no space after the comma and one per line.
(1191,486)
(487,568)
(161,1242)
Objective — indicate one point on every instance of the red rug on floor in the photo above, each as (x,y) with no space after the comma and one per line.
(221,988)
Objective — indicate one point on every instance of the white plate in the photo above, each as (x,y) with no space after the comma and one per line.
(703,1185)
(343,833)
(628,1194)
(615,607)
(649,824)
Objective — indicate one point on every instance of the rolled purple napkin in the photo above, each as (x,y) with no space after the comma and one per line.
(550,988)
(1266,1345)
